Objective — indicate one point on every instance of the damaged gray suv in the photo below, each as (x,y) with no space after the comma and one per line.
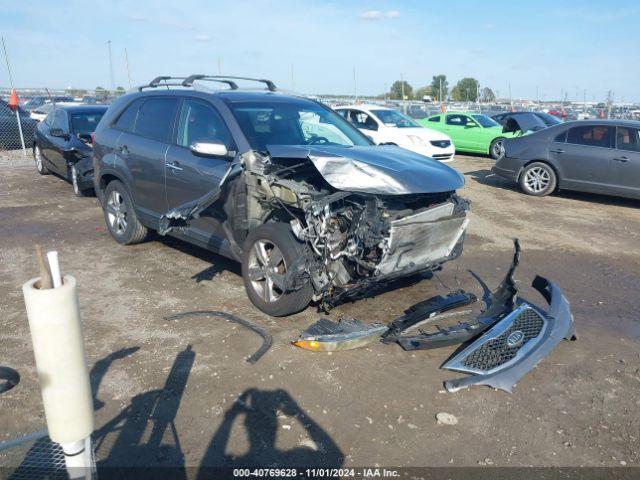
(310,206)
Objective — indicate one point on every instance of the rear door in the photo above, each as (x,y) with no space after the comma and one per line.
(585,157)
(189,176)
(626,161)
(367,125)
(143,146)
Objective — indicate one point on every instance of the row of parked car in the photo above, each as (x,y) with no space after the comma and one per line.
(316,204)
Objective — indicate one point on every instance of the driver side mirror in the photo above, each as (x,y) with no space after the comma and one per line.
(210,149)
(58,132)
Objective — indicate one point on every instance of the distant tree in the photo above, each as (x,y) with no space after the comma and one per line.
(100,92)
(465,90)
(437,82)
(396,90)
(488,95)
(423,92)
(119,91)
(75,92)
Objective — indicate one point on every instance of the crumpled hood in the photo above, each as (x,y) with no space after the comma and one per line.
(383,170)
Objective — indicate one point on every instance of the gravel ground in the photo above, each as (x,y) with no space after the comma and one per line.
(180,392)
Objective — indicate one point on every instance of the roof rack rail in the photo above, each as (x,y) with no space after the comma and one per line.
(192,78)
(270,85)
(188,81)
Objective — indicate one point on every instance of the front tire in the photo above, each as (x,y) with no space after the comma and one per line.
(538,179)
(268,252)
(496,149)
(120,216)
(39,159)
(73,178)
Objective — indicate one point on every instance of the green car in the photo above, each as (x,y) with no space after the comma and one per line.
(470,132)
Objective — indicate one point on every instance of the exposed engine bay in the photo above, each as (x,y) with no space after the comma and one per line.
(370,234)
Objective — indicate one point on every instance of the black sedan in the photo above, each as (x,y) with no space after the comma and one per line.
(590,156)
(9,131)
(62,144)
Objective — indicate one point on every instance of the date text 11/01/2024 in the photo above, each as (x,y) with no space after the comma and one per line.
(316,472)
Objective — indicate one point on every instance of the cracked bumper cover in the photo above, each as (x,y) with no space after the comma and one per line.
(506,352)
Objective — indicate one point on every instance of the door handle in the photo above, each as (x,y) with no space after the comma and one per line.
(622,159)
(557,150)
(124,151)
(175,166)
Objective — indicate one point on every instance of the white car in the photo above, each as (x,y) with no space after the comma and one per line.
(387,126)
(41,112)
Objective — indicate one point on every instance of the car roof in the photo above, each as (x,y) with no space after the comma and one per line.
(83,108)
(365,106)
(612,122)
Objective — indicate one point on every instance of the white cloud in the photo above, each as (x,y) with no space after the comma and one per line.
(202,38)
(377,14)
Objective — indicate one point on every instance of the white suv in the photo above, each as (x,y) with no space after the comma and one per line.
(387,126)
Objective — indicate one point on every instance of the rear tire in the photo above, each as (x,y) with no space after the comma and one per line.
(538,179)
(39,159)
(120,216)
(267,253)
(496,149)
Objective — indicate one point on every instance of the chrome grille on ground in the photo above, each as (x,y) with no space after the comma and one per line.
(527,325)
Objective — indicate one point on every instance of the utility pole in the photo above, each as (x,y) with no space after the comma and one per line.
(113,86)
(126,59)
(355,86)
(404,109)
(6,58)
(510,98)
(537,97)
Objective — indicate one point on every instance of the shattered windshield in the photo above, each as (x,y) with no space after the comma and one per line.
(392,118)
(294,123)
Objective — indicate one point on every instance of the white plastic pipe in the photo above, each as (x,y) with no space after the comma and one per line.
(56,334)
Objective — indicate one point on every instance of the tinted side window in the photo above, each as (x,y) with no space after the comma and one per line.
(435,119)
(591,135)
(155,118)
(628,139)
(60,120)
(344,113)
(200,122)
(127,119)
(362,120)
(561,138)
(459,120)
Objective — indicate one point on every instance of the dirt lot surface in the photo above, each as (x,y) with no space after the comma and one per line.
(168,390)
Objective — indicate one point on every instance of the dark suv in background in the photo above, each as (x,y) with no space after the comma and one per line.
(283,184)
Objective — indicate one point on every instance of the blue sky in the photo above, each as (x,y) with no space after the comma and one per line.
(552,45)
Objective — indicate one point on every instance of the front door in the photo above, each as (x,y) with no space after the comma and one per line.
(459,128)
(189,176)
(626,161)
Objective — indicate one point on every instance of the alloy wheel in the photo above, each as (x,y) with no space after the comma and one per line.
(498,149)
(38,156)
(117,213)
(537,179)
(267,270)
(74,180)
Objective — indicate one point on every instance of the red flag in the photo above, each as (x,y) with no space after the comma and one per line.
(13,100)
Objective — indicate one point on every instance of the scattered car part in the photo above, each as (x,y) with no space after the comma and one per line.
(9,378)
(516,344)
(345,334)
(501,302)
(425,309)
(267,340)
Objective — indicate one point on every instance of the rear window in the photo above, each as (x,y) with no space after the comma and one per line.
(127,119)
(155,119)
(591,135)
